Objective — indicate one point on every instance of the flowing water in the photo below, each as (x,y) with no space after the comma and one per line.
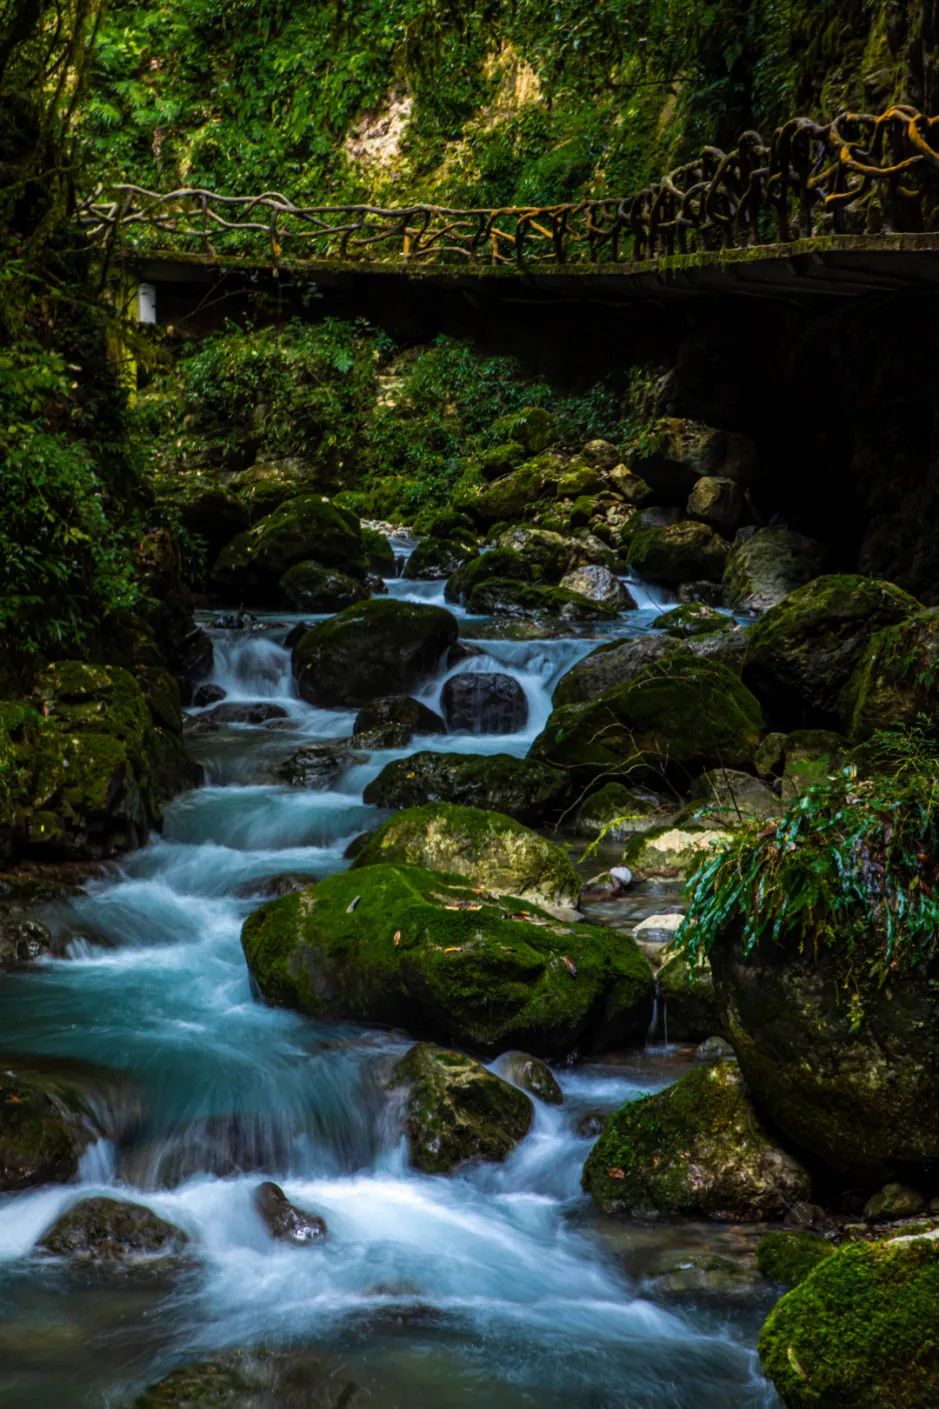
(495,1288)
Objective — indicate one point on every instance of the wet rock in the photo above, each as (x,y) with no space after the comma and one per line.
(240,1142)
(612,664)
(371,650)
(682,552)
(598,584)
(492,851)
(802,652)
(505,597)
(697,1149)
(692,619)
(249,569)
(258,1379)
(766,566)
(207,695)
(318,766)
(310,587)
(618,811)
(273,886)
(714,1049)
(894,1201)
(688,1006)
(520,787)
(285,1221)
(436,559)
(671,720)
(789,1256)
(591,1124)
(22,941)
(671,852)
(105,1230)
(407,947)
(379,554)
(259,712)
(535,1077)
(854,1331)
(484,702)
(546,556)
(657,930)
(392,721)
(457,1110)
(499,563)
(705,1277)
(676,452)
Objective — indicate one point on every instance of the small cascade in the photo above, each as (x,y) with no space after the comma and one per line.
(647,596)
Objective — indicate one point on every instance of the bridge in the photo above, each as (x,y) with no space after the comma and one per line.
(845,207)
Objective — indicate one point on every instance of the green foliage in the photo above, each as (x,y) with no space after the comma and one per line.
(853,866)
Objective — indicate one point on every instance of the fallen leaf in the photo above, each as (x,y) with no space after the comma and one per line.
(570,966)
(452,949)
(397,938)
(352,904)
(614,1172)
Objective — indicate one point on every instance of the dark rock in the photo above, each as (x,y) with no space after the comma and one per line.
(612,664)
(505,597)
(682,552)
(371,650)
(258,1379)
(766,566)
(273,886)
(259,712)
(535,1077)
(284,1220)
(477,702)
(308,528)
(22,941)
(318,766)
(207,695)
(436,559)
(392,721)
(520,787)
(675,453)
(310,587)
(104,1230)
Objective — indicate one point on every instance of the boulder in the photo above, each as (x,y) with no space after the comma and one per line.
(492,850)
(515,495)
(258,712)
(105,1230)
(547,555)
(392,721)
(207,695)
(407,947)
(671,851)
(802,652)
(499,562)
(672,720)
(725,647)
(801,759)
(788,1255)
(285,1221)
(22,941)
(308,587)
(688,1008)
(857,1331)
(692,619)
(484,702)
(50,1112)
(257,1379)
(765,566)
(273,481)
(533,427)
(249,569)
(504,597)
(614,663)
(371,650)
(535,1077)
(379,554)
(716,501)
(318,766)
(894,1201)
(499,460)
(519,787)
(598,584)
(695,1150)
(617,811)
(436,558)
(732,797)
(896,680)
(456,1110)
(674,453)
(676,553)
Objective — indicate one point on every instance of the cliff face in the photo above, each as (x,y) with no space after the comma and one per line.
(487,102)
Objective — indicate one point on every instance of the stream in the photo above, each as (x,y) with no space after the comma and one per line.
(499,1286)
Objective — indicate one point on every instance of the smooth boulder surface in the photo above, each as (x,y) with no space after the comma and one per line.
(370,650)
(285,1221)
(105,1230)
(520,787)
(614,663)
(859,1331)
(436,558)
(697,1149)
(318,766)
(802,652)
(392,721)
(860,1096)
(490,849)
(405,947)
(258,1379)
(499,596)
(484,702)
(535,1077)
(22,941)
(309,528)
(456,1110)
(309,587)
(501,562)
(671,720)
(598,584)
(769,564)
(677,553)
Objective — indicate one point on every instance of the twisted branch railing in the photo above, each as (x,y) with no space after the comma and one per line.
(858,175)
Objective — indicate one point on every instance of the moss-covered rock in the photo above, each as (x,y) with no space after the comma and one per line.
(671,851)
(692,619)
(533,427)
(689,1010)
(718,502)
(672,719)
(896,679)
(534,1076)
(406,947)
(22,941)
(618,811)
(503,597)
(457,1110)
(674,453)
(548,555)
(515,495)
(50,1111)
(256,1379)
(438,558)
(369,650)
(499,562)
(802,652)
(484,702)
(273,481)
(859,1331)
(499,460)
(492,850)
(801,759)
(308,587)
(598,584)
(105,1230)
(392,721)
(614,663)
(378,552)
(676,553)
(520,787)
(788,1256)
(767,566)
(697,1149)
(730,797)
(249,569)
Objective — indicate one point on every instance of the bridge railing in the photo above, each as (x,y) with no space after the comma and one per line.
(859,174)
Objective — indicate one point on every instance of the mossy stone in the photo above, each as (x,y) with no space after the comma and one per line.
(309,587)
(859,1331)
(437,558)
(692,619)
(372,649)
(519,787)
(767,566)
(788,1256)
(515,495)
(255,1379)
(503,597)
(105,1230)
(533,427)
(490,849)
(457,1111)
(406,947)
(896,680)
(498,562)
(616,810)
(697,1149)
(379,554)
(671,851)
(248,570)
(677,553)
(688,1004)
(614,663)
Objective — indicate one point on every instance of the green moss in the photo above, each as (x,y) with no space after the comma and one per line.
(305,529)
(307,587)
(379,554)
(489,848)
(697,1148)
(519,787)
(375,648)
(789,1256)
(692,619)
(501,596)
(896,679)
(515,496)
(859,1331)
(498,563)
(403,946)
